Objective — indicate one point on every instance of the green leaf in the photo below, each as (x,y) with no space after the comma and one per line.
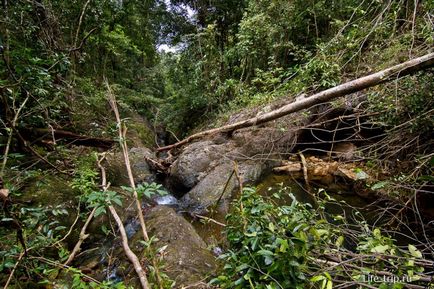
(271,227)
(268,260)
(9,264)
(162,193)
(100,211)
(265,253)
(128,189)
(104,229)
(322,232)
(414,251)
(339,241)
(283,246)
(380,249)
(294,263)
(117,201)
(317,278)
(379,185)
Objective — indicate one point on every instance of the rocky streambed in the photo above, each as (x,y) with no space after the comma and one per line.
(202,181)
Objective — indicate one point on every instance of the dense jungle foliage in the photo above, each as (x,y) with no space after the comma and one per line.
(185,65)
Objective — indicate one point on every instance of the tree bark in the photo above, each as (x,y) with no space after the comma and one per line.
(128,252)
(358,84)
(63,135)
(83,236)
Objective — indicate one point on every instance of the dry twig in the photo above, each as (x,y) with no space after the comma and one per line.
(130,254)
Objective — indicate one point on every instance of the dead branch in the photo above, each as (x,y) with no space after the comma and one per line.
(305,175)
(20,257)
(38,155)
(122,130)
(83,41)
(73,138)
(224,189)
(208,219)
(83,236)
(130,254)
(14,123)
(83,11)
(358,84)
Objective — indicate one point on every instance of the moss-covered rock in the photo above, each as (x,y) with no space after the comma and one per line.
(219,184)
(195,162)
(140,132)
(187,259)
(116,171)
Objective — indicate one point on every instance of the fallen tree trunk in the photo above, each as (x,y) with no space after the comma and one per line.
(358,84)
(55,135)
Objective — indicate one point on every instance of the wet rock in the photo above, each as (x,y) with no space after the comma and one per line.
(186,257)
(194,162)
(167,200)
(211,189)
(202,170)
(116,170)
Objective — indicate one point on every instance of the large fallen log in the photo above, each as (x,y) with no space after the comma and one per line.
(55,135)
(358,84)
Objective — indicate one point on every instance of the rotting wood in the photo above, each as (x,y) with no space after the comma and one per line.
(305,174)
(72,138)
(358,84)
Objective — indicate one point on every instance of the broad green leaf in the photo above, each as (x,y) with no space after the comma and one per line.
(339,241)
(317,278)
(414,251)
(271,227)
(380,249)
(99,211)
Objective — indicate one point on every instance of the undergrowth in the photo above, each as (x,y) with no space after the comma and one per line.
(296,245)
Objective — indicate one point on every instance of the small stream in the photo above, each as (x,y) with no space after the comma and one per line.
(346,204)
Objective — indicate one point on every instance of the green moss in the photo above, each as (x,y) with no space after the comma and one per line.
(140,135)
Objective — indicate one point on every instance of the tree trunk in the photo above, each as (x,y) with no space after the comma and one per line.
(56,135)
(388,74)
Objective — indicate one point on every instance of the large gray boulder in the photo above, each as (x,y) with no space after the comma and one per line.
(202,170)
(187,259)
(220,184)
(194,163)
